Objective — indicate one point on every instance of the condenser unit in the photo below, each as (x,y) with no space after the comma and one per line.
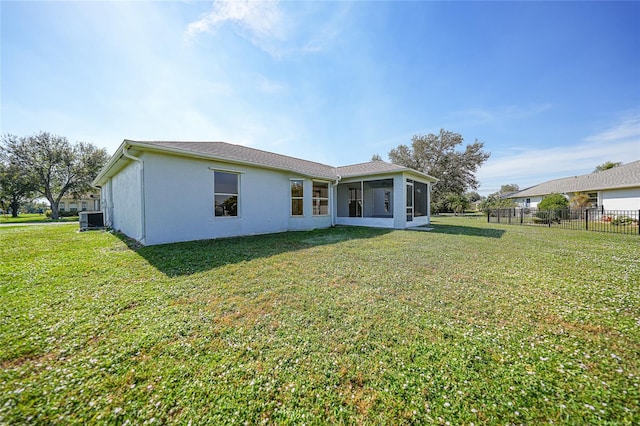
(91,220)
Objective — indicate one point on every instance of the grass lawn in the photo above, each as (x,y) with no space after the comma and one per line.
(469,323)
(34,218)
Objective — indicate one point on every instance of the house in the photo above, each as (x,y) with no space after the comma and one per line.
(617,188)
(162,192)
(85,202)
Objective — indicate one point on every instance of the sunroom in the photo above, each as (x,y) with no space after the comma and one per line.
(397,201)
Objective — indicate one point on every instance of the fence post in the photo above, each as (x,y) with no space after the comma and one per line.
(521,216)
(638,222)
(488,215)
(586,219)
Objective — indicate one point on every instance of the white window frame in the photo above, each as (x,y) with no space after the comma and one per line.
(291,197)
(317,200)
(227,217)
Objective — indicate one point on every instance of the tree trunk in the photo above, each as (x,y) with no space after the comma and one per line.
(15,205)
(54,209)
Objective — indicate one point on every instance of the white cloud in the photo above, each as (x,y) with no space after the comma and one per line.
(277,29)
(627,129)
(499,116)
(259,21)
(268,86)
(259,17)
(527,167)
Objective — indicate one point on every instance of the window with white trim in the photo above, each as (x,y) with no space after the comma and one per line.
(297,197)
(226,187)
(320,198)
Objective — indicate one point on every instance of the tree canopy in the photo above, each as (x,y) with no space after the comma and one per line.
(606,166)
(56,166)
(508,189)
(16,187)
(436,155)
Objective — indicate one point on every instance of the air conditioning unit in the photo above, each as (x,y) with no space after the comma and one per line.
(91,220)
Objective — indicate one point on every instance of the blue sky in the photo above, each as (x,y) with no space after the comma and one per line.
(551,88)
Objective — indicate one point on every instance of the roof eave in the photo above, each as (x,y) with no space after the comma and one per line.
(104,172)
(148,147)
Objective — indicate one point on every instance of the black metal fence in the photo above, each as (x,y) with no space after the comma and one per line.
(615,221)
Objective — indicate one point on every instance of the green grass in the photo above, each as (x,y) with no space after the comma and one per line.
(34,218)
(469,323)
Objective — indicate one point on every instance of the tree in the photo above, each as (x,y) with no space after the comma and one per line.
(456,203)
(473,196)
(16,188)
(494,201)
(436,155)
(579,200)
(606,166)
(57,167)
(376,157)
(554,201)
(509,189)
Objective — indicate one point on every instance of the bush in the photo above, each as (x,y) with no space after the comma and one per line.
(62,214)
(623,220)
(554,201)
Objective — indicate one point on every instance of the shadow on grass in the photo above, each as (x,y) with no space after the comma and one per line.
(178,259)
(467,230)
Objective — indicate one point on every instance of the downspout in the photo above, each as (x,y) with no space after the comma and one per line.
(142,208)
(334,206)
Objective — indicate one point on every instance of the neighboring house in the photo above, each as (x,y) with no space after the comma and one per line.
(162,192)
(86,202)
(617,188)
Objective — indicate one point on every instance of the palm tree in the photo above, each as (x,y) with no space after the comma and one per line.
(456,203)
(580,200)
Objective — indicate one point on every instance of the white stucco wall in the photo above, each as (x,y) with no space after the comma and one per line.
(400,205)
(522,202)
(179,201)
(123,201)
(621,199)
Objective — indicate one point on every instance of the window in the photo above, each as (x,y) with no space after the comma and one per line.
(320,198)
(84,206)
(297,197)
(420,198)
(225,188)
(61,206)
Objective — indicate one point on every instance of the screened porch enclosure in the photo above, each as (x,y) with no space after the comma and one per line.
(372,198)
(390,202)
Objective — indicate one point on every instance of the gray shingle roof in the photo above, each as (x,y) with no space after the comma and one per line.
(624,176)
(372,167)
(242,154)
(227,151)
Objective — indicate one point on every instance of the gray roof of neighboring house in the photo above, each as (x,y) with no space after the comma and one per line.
(223,151)
(624,176)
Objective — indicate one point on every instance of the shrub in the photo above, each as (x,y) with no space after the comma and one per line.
(554,201)
(623,220)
